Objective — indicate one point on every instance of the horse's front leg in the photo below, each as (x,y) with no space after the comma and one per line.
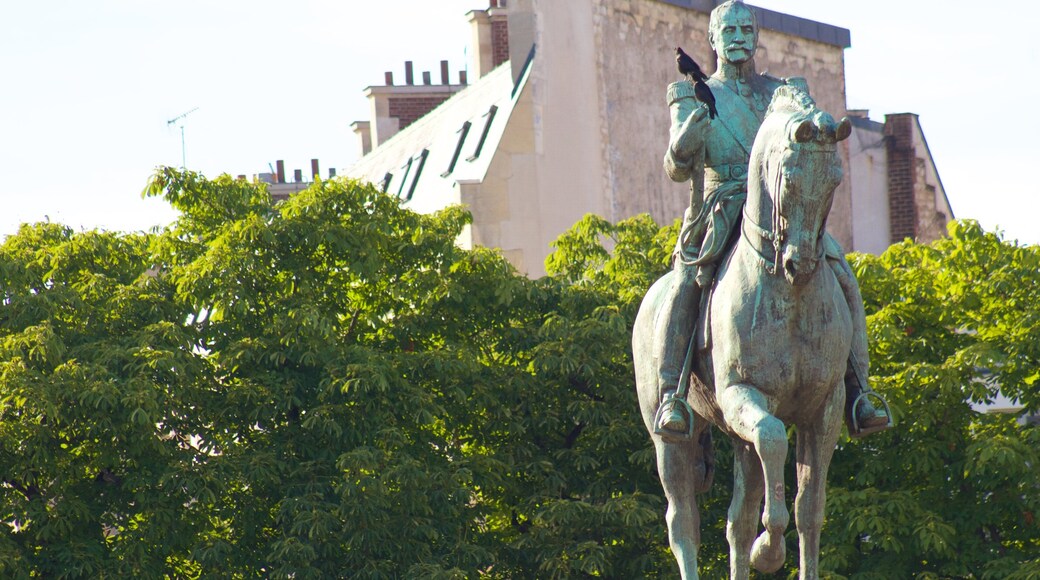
(746,412)
(816,445)
(743,510)
(681,467)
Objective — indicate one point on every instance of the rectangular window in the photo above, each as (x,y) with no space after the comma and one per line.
(418,172)
(483,134)
(458,148)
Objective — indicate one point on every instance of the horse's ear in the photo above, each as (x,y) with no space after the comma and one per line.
(804,132)
(843,130)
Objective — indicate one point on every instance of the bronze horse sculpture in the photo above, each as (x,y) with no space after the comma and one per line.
(772,349)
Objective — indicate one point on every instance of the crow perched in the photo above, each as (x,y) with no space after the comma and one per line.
(688,67)
(704,95)
(693,73)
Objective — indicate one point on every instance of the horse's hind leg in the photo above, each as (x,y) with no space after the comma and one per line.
(815,449)
(680,466)
(746,413)
(743,510)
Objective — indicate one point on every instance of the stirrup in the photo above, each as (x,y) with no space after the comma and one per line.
(856,432)
(684,407)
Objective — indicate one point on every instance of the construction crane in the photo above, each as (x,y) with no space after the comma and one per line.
(184,162)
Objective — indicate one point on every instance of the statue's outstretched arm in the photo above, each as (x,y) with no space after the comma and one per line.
(689,127)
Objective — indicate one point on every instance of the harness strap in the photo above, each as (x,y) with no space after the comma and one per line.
(764,242)
(760,239)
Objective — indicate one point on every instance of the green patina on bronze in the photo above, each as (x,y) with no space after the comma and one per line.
(782,338)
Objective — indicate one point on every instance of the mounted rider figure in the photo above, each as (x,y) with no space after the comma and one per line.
(713,155)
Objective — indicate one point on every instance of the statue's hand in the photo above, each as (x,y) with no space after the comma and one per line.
(689,137)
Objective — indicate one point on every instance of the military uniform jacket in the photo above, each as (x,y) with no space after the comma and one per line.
(741,106)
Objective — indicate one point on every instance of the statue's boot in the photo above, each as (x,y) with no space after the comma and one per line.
(861,416)
(674,415)
(672,418)
(671,343)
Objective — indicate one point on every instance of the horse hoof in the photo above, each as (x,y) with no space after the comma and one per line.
(768,556)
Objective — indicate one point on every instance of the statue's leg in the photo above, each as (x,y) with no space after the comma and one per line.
(672,335)
(868,418)
(816,444)
(746,413)
(680,467)
(742,526)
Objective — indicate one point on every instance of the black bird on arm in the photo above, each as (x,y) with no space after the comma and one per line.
(688,66)
(693,73)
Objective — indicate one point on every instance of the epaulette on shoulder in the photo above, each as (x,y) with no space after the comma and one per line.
(680,90)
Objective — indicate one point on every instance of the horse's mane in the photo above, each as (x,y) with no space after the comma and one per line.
(791,99)
(791,104)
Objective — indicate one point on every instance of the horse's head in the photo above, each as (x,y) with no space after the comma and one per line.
(793,172)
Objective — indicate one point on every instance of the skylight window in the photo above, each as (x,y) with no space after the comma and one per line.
(404,177)
(418,172)
(490,115)
(458,148)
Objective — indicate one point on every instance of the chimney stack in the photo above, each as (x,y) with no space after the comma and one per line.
(388,78)
(363,129)
(480,26)
(281,170)
(444,73)
(314,169)
(409,78)
(298,175)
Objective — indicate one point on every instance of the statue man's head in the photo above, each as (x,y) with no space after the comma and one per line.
(733,32)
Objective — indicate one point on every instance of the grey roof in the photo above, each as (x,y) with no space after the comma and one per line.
(868,124)
(786,23)
(454,143)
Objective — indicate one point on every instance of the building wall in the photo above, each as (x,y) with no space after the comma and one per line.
(898,191)
(560,179)
(504,215)
(600,120)
(622,77)
(931,204)
(590,124)
(917,202)
(868,168)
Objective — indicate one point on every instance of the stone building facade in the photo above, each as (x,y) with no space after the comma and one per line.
(575,122)
(897,192)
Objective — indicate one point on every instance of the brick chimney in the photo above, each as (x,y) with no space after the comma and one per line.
(914,189)
(902,210)
(490,40)
(499,32)
(394,107)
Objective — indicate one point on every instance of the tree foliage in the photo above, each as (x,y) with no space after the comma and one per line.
(951,492)
(330,387)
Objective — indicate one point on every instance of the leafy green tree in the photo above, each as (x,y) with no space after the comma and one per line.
(323,387)
(97,476)
(950,492)
(330,387)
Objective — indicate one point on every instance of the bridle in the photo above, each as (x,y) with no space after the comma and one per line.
(769,243)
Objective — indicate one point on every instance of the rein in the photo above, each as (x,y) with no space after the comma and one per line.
(759,235)
(757,238)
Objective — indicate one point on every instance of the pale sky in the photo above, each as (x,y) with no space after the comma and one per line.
(89,86)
